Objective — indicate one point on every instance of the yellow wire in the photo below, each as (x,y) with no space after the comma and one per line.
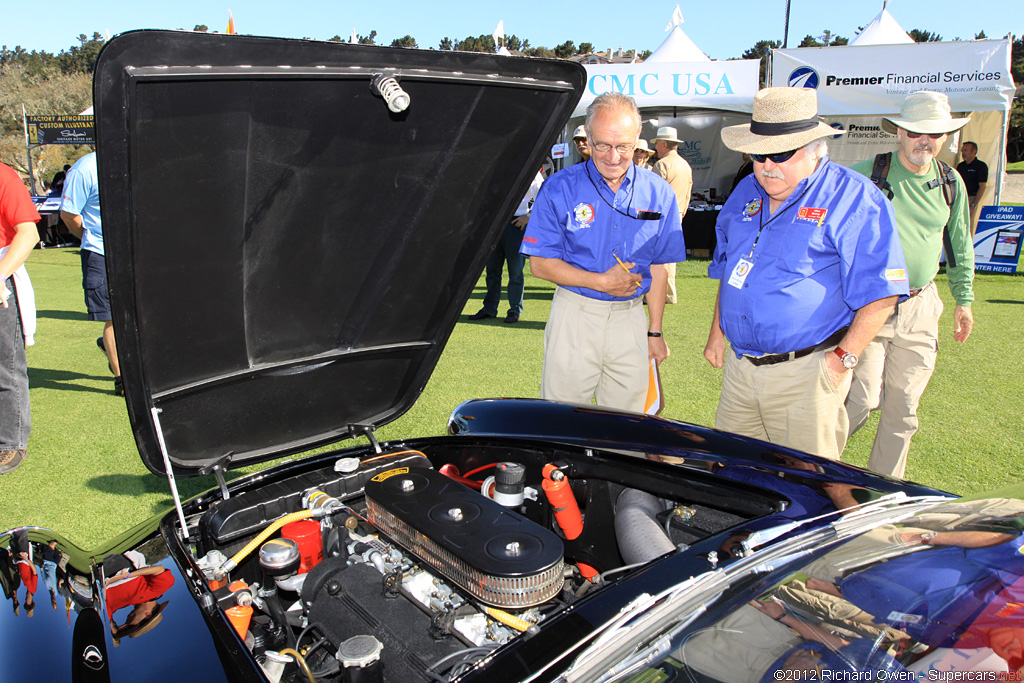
(265,534)
(509,620)
(300,660)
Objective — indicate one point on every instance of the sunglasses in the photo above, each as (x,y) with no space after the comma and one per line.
(779,158)
(913,136)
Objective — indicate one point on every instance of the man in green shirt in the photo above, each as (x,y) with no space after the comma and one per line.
(895,368)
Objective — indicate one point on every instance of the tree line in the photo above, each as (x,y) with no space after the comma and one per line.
(48,83)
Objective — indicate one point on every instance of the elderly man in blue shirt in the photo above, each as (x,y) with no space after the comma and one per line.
(810,267)
(602,231)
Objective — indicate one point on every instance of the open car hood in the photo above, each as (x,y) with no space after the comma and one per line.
(286,256)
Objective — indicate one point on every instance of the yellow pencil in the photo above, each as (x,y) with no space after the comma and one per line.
(638,282)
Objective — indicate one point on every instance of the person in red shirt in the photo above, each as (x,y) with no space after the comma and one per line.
(18,236)
(139,589)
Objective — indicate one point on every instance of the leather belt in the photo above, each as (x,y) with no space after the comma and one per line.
(774,358)
(914,291)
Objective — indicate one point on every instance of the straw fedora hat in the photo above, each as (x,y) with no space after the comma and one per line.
(642,146)
(924,112)
(580,132)
(668,134)
(783,119)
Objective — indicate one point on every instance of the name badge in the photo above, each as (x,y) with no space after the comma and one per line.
(740,272)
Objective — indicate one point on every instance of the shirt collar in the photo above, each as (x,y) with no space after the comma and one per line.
(602,185)
(801,187)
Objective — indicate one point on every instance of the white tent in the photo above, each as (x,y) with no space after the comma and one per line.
(883,30)
(678,47)
(859,84)
(679,86)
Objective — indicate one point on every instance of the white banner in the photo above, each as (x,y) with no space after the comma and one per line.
(711,85)
(875,79)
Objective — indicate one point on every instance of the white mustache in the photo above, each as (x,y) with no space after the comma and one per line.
(772,174)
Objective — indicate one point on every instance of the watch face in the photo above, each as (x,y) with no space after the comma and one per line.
(850,361)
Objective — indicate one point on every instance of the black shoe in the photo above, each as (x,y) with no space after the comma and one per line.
(481,315)
(11,460)
(118,386)
(512,318)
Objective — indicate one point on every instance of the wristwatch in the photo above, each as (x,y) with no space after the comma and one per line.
(848,360)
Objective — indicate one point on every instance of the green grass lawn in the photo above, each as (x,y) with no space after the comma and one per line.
(84,477)
(1015,167)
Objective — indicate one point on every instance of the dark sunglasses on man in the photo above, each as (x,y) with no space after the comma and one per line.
(779,158)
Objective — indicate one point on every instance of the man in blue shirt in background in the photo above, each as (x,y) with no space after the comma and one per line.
(602,231)
(810,267)
(80,211)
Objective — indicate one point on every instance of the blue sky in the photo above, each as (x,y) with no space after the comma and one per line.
(723,29)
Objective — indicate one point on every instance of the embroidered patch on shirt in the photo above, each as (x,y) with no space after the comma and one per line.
(1009,609)
(531,240)
(752,208)
(809,213)
(584,213)
(896,275)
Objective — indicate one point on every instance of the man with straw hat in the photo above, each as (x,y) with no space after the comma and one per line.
(929,199)
(810,267)
(674,169)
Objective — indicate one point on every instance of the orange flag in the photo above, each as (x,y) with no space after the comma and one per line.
(231,24)
(655,398)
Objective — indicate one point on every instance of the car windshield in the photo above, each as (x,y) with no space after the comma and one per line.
(940,591)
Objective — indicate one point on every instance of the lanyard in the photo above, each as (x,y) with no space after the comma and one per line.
(640,215)
(782,209)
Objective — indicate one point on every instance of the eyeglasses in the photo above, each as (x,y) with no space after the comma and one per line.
(580,141)
(604,148)
(780,158)
(913,136)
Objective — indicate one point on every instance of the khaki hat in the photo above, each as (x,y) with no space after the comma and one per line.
(641,146)
(783,119)
(580,132)
(668,134)
(924,112)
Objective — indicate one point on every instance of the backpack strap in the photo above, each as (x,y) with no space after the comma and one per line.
(881,171)
(948,182)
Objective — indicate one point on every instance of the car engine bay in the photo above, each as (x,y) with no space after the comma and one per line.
(417,564)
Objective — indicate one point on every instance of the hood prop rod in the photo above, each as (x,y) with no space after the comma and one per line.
(155,412)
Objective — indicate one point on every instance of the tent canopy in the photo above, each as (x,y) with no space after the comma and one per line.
(678,47)
(883,30)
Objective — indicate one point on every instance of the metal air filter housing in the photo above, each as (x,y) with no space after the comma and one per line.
(495,554)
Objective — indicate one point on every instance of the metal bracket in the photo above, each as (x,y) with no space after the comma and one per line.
(155,413)
(367,431)
(217,468)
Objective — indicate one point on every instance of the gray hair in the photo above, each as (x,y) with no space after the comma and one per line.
(818,148)
(613,101)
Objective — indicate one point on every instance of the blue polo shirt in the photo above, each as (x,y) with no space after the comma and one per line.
(828,250)
(82,198)
(935,595)
(578,219)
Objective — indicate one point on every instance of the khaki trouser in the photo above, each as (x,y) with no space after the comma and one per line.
(595,349)
(670,291)
(892,375)
(793,404)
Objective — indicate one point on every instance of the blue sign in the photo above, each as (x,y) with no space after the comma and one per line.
(998,239)
(803,77)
